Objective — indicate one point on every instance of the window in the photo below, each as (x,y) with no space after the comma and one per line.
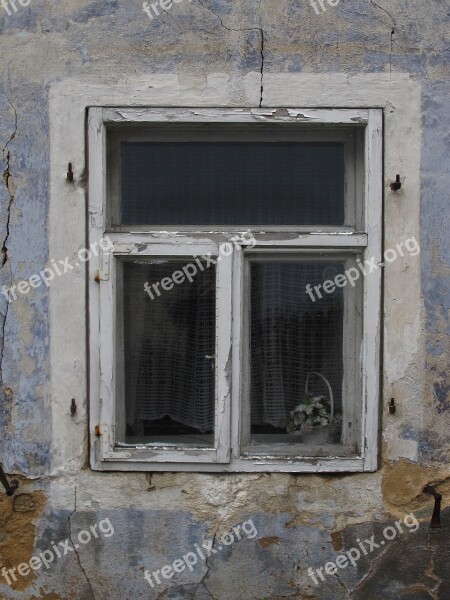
(232,323)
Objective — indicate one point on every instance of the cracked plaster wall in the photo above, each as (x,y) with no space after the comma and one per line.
(302,520)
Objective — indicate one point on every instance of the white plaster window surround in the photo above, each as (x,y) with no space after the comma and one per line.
(73,376)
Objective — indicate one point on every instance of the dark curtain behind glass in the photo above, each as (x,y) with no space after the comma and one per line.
(199,183)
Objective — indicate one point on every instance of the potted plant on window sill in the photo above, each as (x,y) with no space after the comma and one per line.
(313,418)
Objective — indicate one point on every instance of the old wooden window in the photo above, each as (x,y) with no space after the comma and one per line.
(218,341)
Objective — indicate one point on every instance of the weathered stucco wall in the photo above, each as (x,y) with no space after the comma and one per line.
(230,54)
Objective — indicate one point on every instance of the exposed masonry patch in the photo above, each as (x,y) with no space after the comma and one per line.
(245,29)
(403,485)
(18,516)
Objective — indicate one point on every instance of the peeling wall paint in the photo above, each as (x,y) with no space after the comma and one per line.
(213,54)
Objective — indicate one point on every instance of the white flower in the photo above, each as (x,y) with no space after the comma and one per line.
(313,412)
(299,419)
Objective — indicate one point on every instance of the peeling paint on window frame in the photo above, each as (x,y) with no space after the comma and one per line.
(104,451)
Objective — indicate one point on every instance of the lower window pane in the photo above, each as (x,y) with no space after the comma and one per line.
(169,350)
(296,353)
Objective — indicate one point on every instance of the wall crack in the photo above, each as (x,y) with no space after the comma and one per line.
(7,178)
(173,18)
(75,545)
(202,580)
(371,572)
(430,570)
(386,11)
(245,29)
(393,29)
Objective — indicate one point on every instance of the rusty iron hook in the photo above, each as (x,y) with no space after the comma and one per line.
(397,184)
(436,518)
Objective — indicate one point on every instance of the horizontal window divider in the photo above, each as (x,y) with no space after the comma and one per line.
(145,243)
(175,232)
(315,241)
(167,250)
(299,255)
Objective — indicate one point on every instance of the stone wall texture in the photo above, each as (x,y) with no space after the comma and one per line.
(302,520)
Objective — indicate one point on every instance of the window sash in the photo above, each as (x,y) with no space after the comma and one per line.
(351,138)
(352,339)
(111,360)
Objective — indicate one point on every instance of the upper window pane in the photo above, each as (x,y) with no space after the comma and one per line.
(232,183)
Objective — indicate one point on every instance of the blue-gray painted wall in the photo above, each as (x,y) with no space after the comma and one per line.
(302,519)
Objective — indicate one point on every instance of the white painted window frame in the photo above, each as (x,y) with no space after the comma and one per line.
(227,454)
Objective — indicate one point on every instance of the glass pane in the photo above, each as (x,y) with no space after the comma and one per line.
(296,353)
(232,183)
(169,348)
